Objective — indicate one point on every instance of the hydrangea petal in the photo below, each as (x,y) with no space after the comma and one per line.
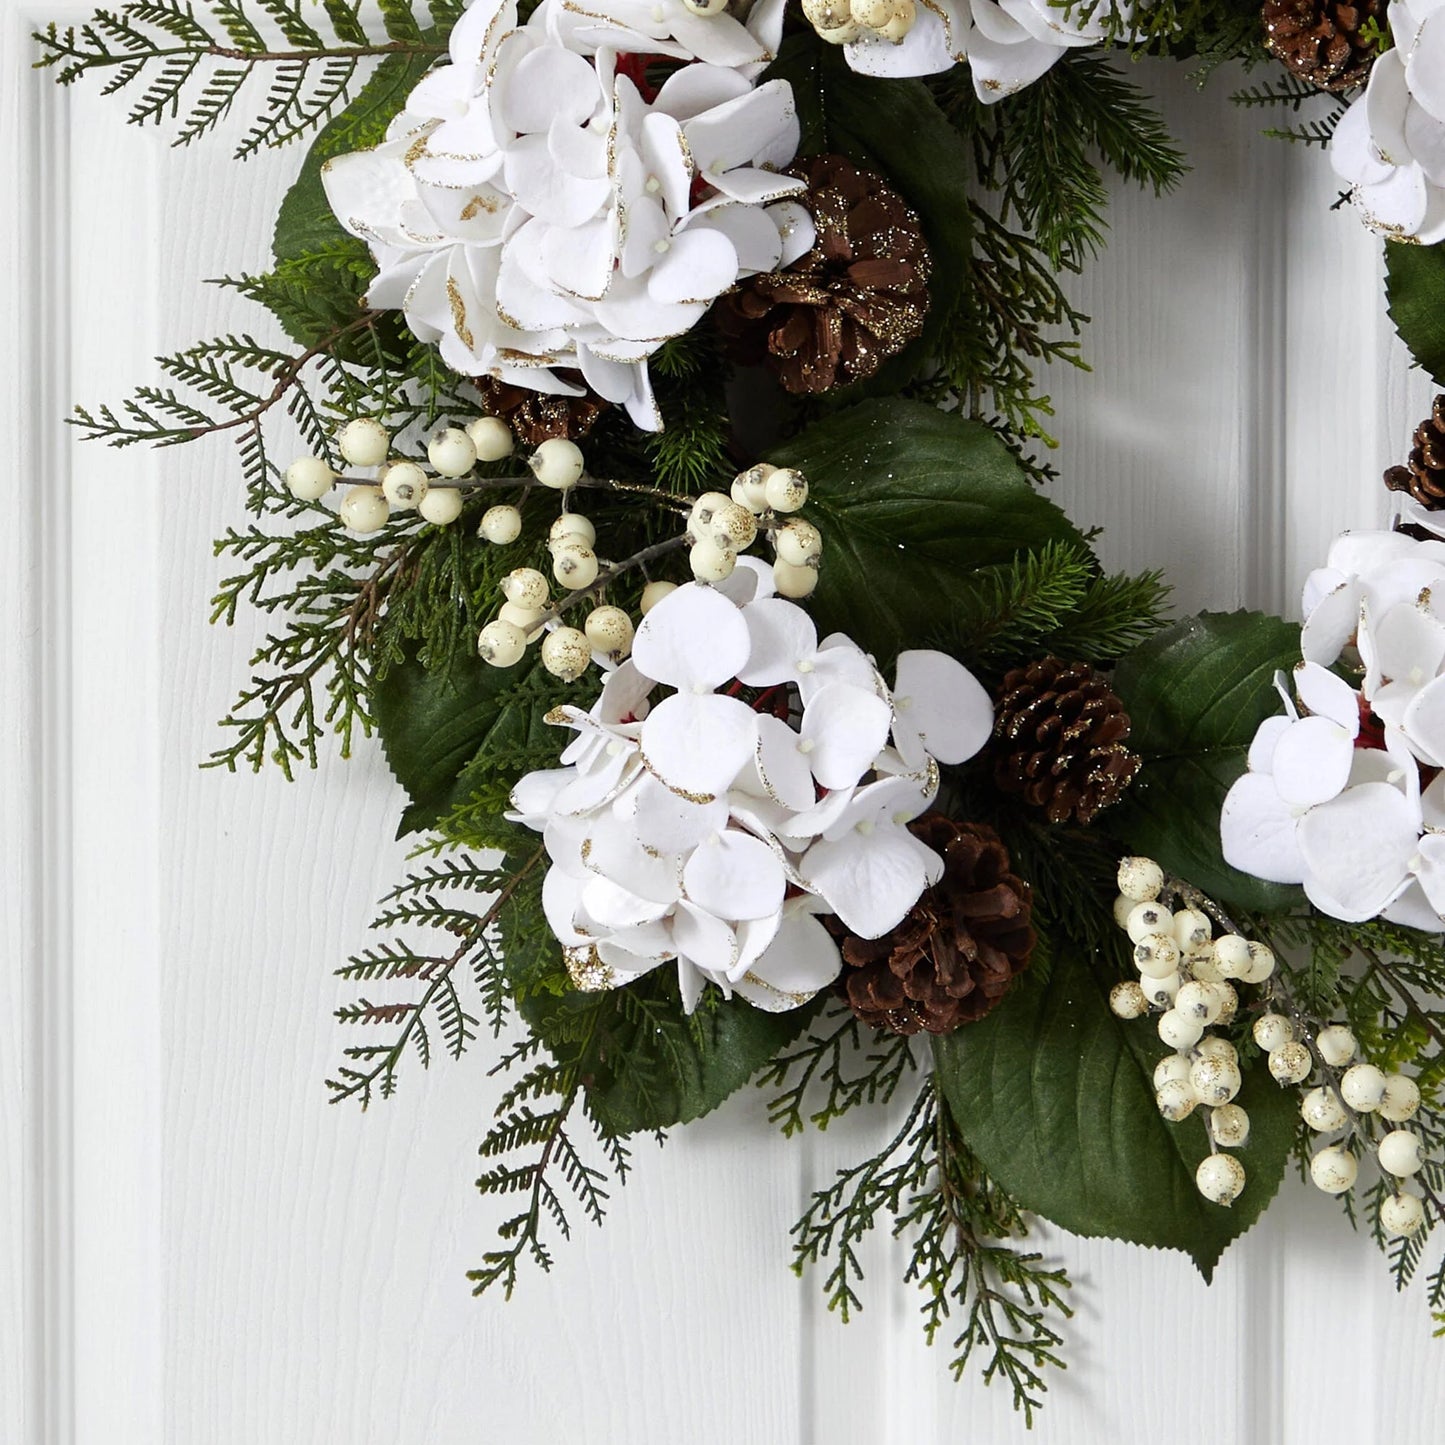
(1266,739)
(695,637)
(1424,723)
(1331,623)
(871,881)
(673,824)
(801,961)
(1357,850)
(734,876)
(703,938)
(1327,695)
(781,637)
(783,772)
(1258,831)
(697,744)
(1311,762)
(843,731)
(940,700)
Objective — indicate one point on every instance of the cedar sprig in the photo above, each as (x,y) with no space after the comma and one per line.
(838,1065)
(991,1300)
(193,69)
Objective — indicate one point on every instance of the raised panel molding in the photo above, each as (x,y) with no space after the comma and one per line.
(195,1250)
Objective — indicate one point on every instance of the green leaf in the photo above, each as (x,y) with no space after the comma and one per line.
(1055,1095)
(1415,286)
(648,1066)
(1195,694)
(910,500)
(449,730)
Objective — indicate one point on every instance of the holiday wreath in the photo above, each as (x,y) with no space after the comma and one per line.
(672,508)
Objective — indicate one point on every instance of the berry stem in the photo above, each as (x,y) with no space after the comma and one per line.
(613,572)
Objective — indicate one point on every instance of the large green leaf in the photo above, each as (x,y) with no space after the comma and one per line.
(1195,693)
(910,499)
(1055,1095)
(446,730)
(647,1066)
(1415,285)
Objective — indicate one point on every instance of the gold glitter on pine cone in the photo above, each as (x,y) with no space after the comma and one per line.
(1060,738)
(538,416)
(1320,40)
(958,950)
(858,297)
(1424,476)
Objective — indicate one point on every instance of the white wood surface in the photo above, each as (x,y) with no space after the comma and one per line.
(196,1249)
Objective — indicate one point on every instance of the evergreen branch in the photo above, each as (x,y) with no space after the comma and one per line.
(379,1062)
(203,66)
(520,1127)
(952,1215)
(161,419)
(833,1058)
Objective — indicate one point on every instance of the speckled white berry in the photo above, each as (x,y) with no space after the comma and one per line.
(1322,1111)
(1140,879)
(1334,1169)
(1401,1214)
(566,653)
(1220,1178)
(1402,1098)
(1290,1064)
(1399,1153)
(1362,1087)
(1230,1126)
(363,442)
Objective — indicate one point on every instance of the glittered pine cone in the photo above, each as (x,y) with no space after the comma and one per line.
(1320,40)
(958,950)
(1424,476)
(838,312)
(537,416)
(1060,736)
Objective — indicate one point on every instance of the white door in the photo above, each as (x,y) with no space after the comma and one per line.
(199,1250)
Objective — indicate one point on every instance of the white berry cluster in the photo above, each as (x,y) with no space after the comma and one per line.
(718,530)
(1343,1099)
(737,776)
(1188,977)
(842,22)
(1344,792)
(538,208)
(400,484)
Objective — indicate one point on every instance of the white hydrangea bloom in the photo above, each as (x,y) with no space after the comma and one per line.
(1390,144)
(1008,44)
(1333,796)
(735,778)
(529,210)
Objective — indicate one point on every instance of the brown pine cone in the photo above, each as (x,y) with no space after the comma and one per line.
(537,416)
(1320,40)
(955,954)
(858,297)
(1424,477)
(1060,736)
